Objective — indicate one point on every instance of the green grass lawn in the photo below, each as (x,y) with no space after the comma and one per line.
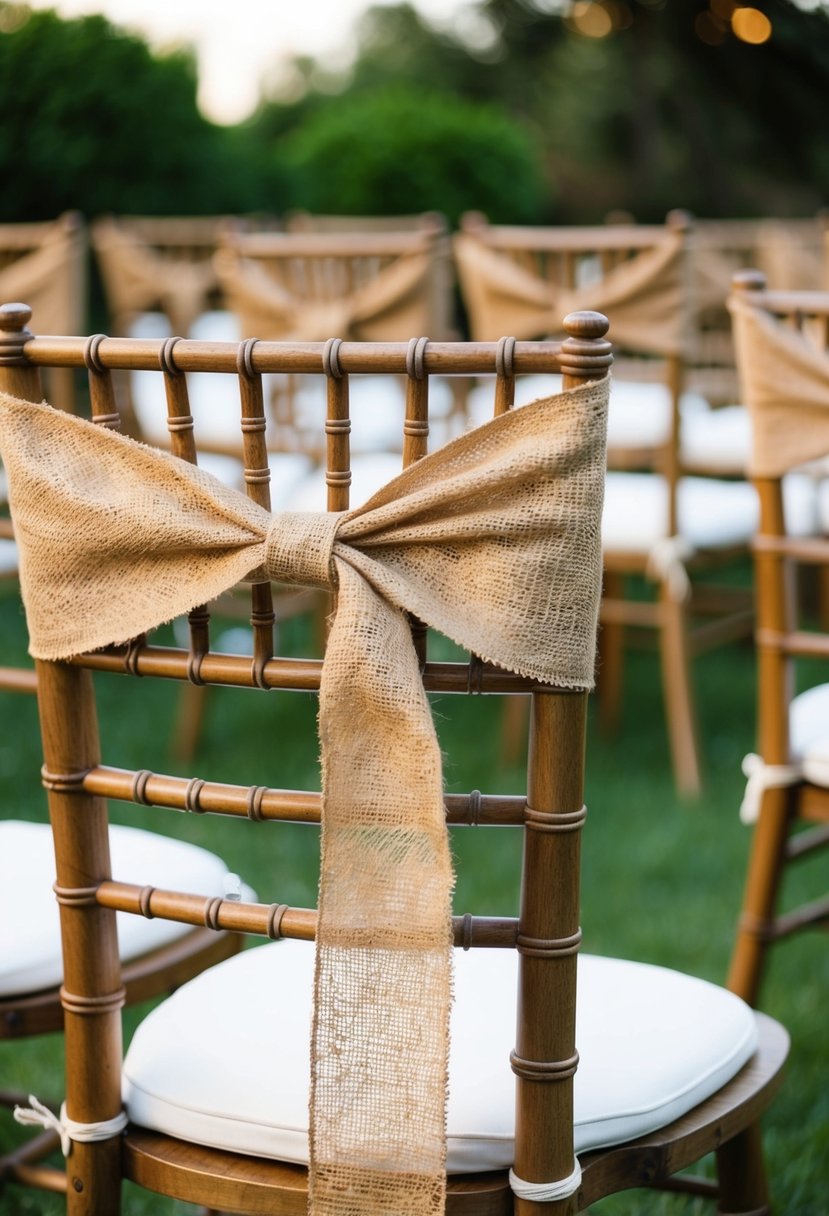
(662,878)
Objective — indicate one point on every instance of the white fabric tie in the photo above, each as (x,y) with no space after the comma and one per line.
(39,1115)
(666,564)
(762,777)
(546,1192)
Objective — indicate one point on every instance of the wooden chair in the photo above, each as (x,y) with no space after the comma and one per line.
(670,1067)
(781,340)
(660,523)
(159,264)
(45,263)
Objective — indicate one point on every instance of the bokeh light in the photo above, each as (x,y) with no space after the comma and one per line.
(750,25)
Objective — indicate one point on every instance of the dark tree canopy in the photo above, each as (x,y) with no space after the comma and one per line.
(531,110)
(93,120)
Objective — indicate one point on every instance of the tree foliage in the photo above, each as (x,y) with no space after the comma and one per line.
(396,149)
(93,120)
(510,107)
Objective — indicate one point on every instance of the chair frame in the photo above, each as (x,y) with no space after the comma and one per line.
(780,640)
(546,931)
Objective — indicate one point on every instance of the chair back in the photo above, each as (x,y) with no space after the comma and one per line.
(782,349)
(379,756)
(517,279)
(158,264)
(378,284)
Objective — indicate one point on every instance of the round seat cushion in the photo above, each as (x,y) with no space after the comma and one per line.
(225,1061)
(30,950)
(809,733)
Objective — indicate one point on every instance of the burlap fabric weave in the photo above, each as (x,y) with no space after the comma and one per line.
(495,541)
(784,379)
(646,295)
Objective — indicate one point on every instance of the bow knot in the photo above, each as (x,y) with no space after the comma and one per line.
(299,547)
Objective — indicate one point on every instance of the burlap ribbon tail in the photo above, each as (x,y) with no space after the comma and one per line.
(495,541)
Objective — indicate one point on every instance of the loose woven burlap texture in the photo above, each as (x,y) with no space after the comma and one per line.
(784,379)
(495,541)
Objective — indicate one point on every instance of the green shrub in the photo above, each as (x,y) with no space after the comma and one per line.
(397,151)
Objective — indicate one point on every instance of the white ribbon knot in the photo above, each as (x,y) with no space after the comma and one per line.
(762,777)
(37,1114)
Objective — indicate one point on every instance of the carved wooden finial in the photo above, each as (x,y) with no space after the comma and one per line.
(14,335)
(749,280)
(585,352)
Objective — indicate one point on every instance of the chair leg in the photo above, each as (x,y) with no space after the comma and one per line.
(765,868)
(678,692)
(742,1175)
(611,658)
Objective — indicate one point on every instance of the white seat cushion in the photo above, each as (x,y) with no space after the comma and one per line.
(809,733)
(718,440)
(712,513)
(30,954)
(224,1061)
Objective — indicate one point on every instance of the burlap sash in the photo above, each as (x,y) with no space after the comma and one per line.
(393,302)
(50,279)
(646,296)
(784,379)
(137,278)
(495,541)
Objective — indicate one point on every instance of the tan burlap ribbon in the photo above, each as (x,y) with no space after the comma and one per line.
(784,379)
(495,541)
(51,278)
(137,278)
(646,296)
(392,302)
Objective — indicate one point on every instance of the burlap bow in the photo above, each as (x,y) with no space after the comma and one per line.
(646,295)
(784,380)
(392,302)
(495,541)
(137,278)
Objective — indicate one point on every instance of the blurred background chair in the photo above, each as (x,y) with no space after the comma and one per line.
(45,263)
(645,1034)
(662,527)
(158,264)
(781,341)
(788,251)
